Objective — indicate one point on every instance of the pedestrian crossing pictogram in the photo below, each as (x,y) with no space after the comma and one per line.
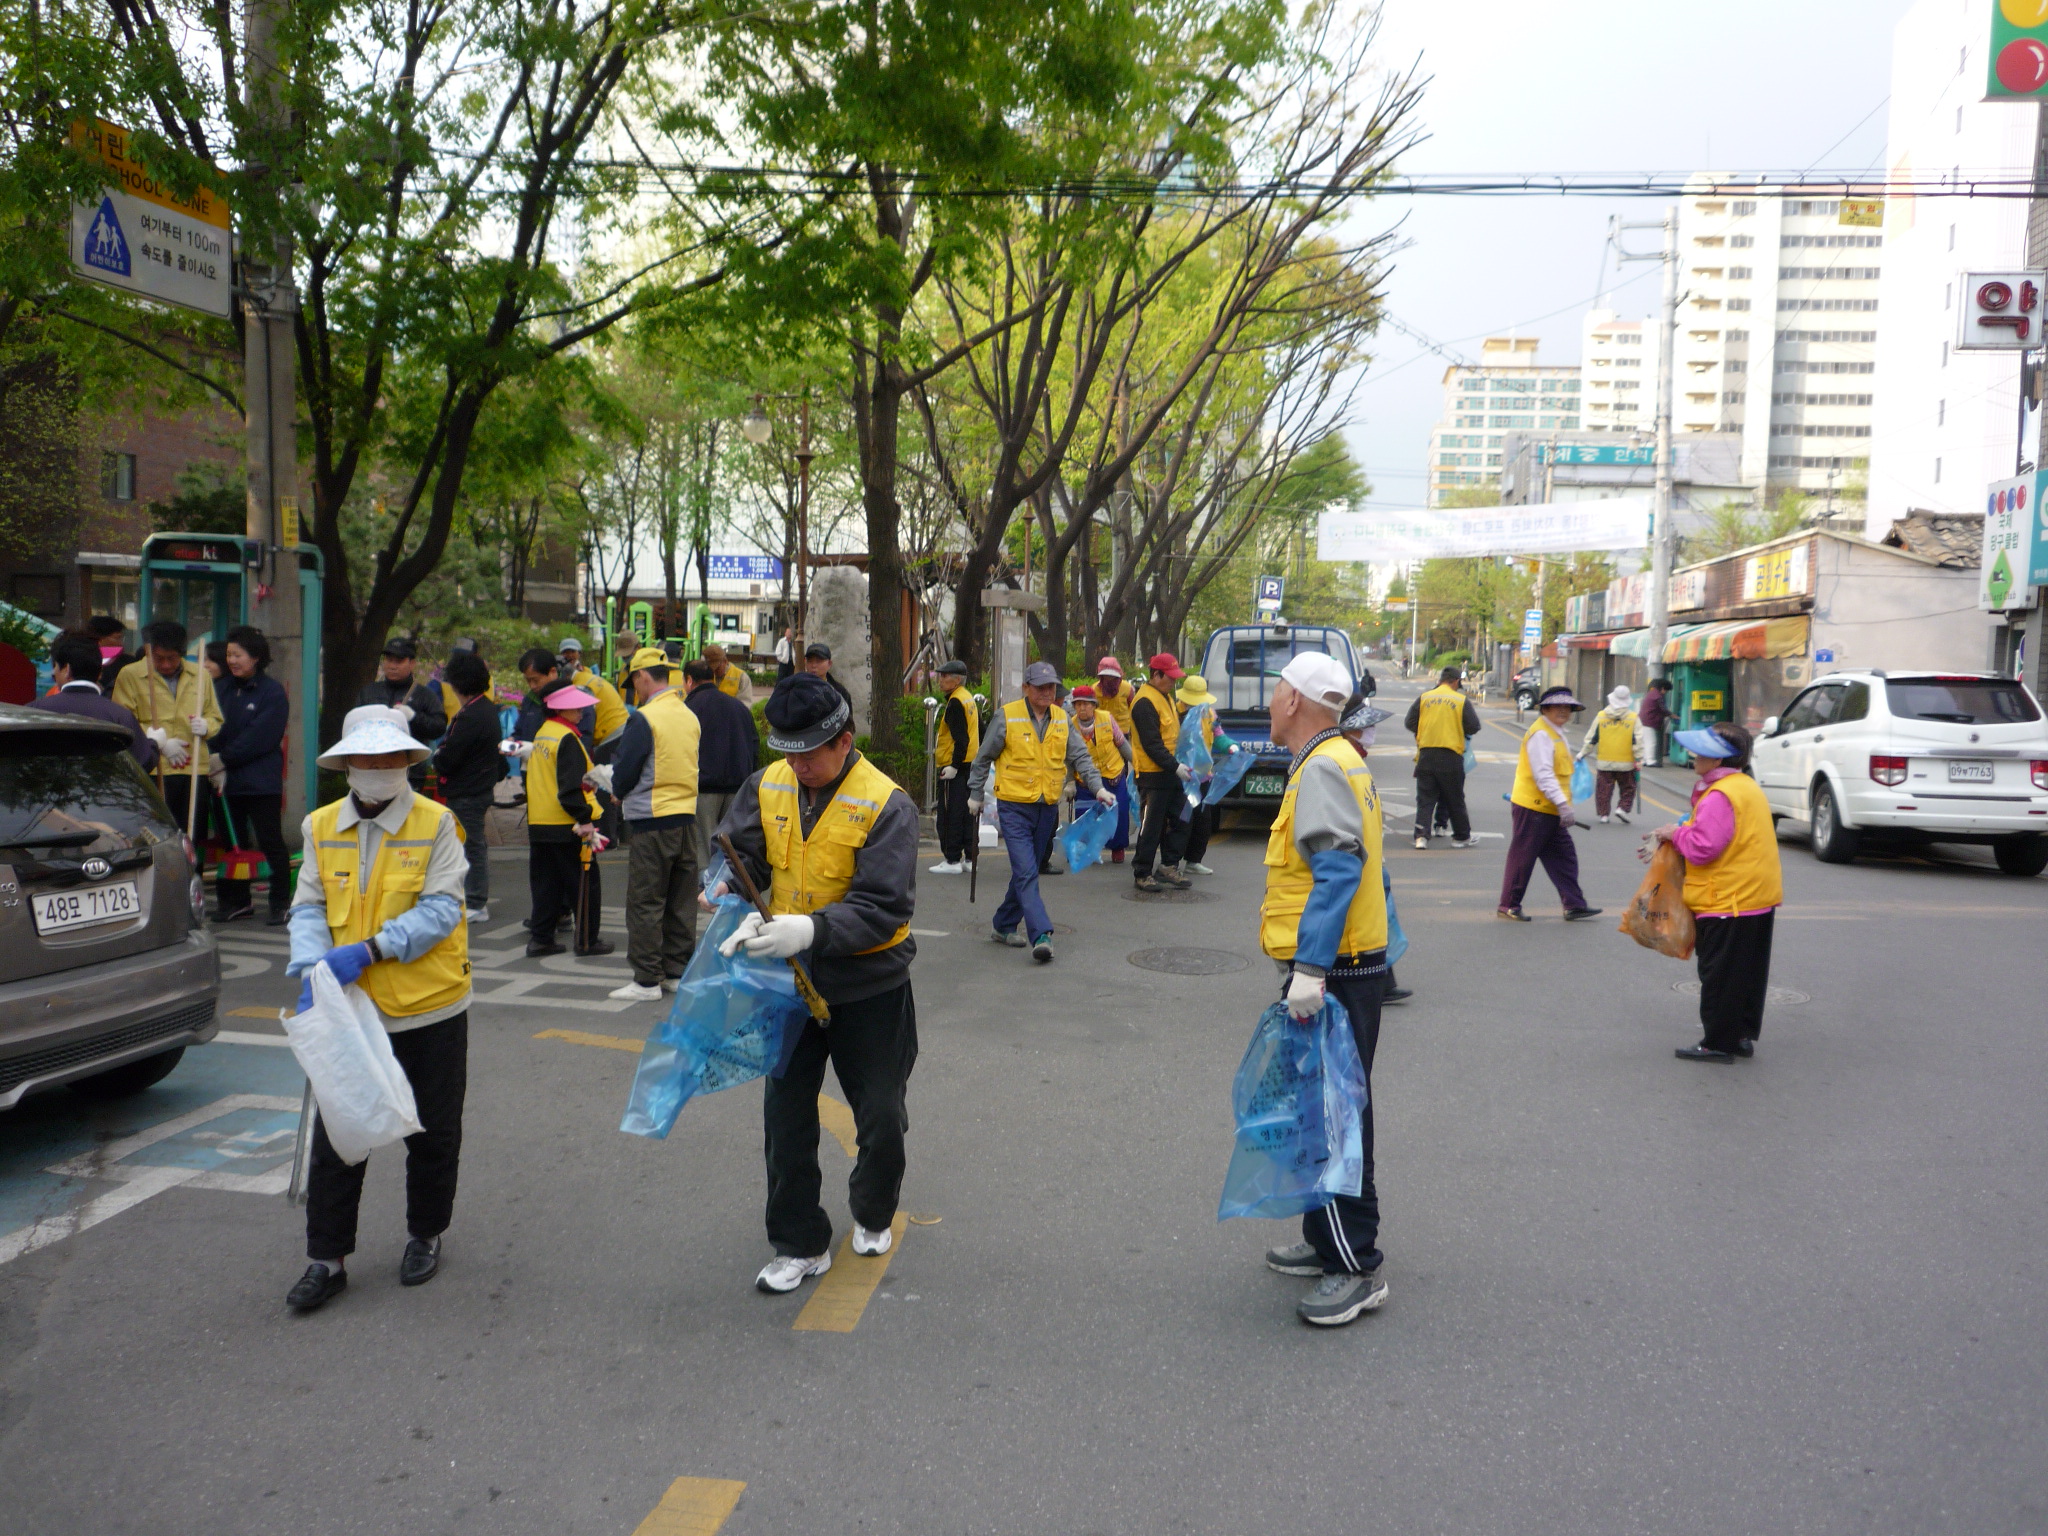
(106,246)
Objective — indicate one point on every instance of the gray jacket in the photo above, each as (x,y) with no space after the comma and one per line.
(1080,761)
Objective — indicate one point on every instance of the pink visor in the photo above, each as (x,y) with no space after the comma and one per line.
(571,697)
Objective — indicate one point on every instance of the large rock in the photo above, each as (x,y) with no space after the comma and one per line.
(839,617)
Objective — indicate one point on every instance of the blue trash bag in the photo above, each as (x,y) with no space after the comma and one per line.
(1229,774)
(734,1020)
(1192,747)
(1087,836)
(1471,760)
(1397,937)
(1300,1099)
(1582,780)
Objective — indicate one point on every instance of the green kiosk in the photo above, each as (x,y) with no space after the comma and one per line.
(1702,692)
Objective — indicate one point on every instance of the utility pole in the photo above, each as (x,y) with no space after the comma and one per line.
(1663,542)
(269,303)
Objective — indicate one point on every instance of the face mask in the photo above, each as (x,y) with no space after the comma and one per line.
(1365,736)
(377,785)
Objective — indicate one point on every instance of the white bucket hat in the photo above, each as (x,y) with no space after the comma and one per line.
(372,728)
(1620,697)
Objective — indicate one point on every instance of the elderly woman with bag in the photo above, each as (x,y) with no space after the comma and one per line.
(1733,886)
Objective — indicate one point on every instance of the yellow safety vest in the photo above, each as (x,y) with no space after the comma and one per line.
(676,733)
(543,801)
(451,703)
(357,907)
(1527,792)
(1289,879)
(611,709)
(1102,747)
(809,872)
(1440,721)
(1614,741)
(1118,708)
(1746,877)
(1169,732)
(1032,770)
(942,744)
(729,684)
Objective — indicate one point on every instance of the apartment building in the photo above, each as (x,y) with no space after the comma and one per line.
(1777,330)
(1947,421)
(1618,362)
(1507,392)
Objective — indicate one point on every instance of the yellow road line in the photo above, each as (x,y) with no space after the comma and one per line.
(842,1295)
(579,1037)
(254,1013)
(838,1119)
(693,1506)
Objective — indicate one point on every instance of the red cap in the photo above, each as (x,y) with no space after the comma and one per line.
(1166,662)
(1109,666)
(1084,691)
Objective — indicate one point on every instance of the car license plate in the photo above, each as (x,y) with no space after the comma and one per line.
(85,906)
(1265,784)
(1970,773)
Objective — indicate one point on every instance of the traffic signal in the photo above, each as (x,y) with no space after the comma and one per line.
(2019,51)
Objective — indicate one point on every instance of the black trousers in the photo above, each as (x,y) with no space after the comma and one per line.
(1734,955)
(554,873)
(472,814)
(435,1058)
(1346,1232)
(1162,835)
(955,827)
(1441,789)
(258,822)
(872,1045)
(1201,824)
(177,786)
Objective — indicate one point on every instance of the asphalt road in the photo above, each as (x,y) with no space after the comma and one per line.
(1629,1294)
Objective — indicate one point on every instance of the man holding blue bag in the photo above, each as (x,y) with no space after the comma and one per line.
(380,900)
(1324,923)
(833,840)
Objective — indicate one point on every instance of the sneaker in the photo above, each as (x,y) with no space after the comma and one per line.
(670,983)
(1012,938)
(320,1284)
(1196,869)
(633,992)
(1422,842)
(1464,842)
(1174,881)
(1295,1259)
(871,1244)
(1603,821)
(477,915)
(1041,948)
(783,1273)
(1149,885)
(948,867)
(1622,817)
(1338,1299)
(1580,914)
(1513,915)
(225,916)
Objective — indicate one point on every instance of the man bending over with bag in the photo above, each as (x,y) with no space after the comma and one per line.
(833,841)
(379,899)
(1324,923)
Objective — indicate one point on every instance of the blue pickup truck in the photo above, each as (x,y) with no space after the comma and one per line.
(1242,663)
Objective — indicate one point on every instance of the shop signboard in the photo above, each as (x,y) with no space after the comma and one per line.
(2001,311)
(1777,573)
(1596,453)
(2015,558)
(1628,598)
(1688,591)
(745,568)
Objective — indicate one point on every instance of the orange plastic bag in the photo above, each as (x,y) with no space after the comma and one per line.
(1657,917)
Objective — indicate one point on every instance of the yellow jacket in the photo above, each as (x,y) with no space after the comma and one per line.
(149,697)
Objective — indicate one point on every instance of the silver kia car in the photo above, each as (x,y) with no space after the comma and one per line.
(107,971)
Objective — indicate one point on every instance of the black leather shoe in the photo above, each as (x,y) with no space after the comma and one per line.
(535,951)
(601,947)
(1513,915)
(317,1286)
(1580,914)
(1745,1049)
(1398,995)
(1702,1053)
(422,1261)
(279,916)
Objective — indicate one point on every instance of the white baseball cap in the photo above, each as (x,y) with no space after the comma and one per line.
(1318,678)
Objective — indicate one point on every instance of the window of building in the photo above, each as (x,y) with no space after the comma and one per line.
(1711,207)
(1737,365)
(1711,272)
(1625,408)
(1626,339)
(1628,383)
(1859,306)
(1550,385)
(1738,335)
(1829,274)
(1706,240)
(120,596)
(1706,303)
(1744,209)
(1471,421)
(1493,459)
(1741,242)
(1571,386)
(1738,303)
(1937,471)
(1510,423)
(1941,413)
(1731,397)
(1831,242)
(1569,423)
(117,477)
(1737,274)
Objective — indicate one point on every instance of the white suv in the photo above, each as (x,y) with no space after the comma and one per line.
(1912,757)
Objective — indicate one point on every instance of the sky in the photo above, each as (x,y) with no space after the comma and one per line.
(1588,85)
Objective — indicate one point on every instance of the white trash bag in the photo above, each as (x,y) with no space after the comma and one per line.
(364,1098)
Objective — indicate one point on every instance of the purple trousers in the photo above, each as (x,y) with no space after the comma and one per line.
(1539,838)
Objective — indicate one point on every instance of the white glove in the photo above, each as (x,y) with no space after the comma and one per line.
(599,777)
(176,753)
(514,748)
(1105,797)
(1304,996)
(217,772)
(1566,818)
(1067,789)
(774,938)
(1186,773)
(949,773)
(197,725)
(159,735)
(405,710)
(974,807)
(1234,750)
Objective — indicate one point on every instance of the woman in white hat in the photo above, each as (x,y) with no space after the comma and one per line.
(379,899)
(1615,738)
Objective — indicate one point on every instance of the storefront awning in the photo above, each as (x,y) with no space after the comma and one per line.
(1636,642)
(1739,640)
(1586,642)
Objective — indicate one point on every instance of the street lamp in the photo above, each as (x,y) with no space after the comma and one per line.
(757,428)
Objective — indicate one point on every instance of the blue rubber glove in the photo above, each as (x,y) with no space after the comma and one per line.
(347,961)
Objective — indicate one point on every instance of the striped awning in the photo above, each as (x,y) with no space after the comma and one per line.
(1739,640)
(1591,641)
(1636,642)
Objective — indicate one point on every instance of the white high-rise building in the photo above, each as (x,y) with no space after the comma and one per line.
(1946,421)
(1618,367)
(1777,330)
(1507,392)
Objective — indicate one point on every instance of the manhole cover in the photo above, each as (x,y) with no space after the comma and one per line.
(1169,898)
(1782,996)
(1189,962)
